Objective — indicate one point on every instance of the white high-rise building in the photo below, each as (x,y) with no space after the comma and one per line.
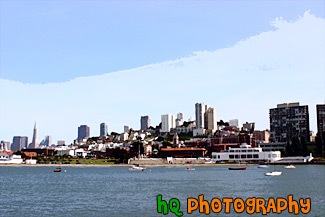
(200,109)
(167,122)
(179,120)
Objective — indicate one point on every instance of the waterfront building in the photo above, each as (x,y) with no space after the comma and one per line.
(167,122)
(83,132)
(320,119)
(126,129)
(179,119)
(19,143)
(289,120)
(46,142)
(200,109)
(145,122)
(103,129)
(34,143)
(210,119)
(235,123)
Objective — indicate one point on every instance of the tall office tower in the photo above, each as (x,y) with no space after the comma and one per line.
(320,119)
(19,143)
(200,109)
(5,145)
(83,132)
(289,120)
(235,123)
(46,142)
(103,129)
(167,122)
(179,120)
(34,143)
(126,129)
(210,119)
(145,122)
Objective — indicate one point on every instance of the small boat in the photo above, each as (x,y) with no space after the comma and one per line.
(57,170)
(237,168)
(263,166)
(137,168)
(274,173)
(289,167)
(190,168)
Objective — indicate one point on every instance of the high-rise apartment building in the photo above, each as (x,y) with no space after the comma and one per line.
(200,109)
(180,119)
(167,122)
(145,122)
(320,119)
(126,129)
(235,123)
(5,145)
(210,120)
(289,120)
(103,129)
(19,143)
(83,132)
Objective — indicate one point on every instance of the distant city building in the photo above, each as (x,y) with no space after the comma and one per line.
(167,122)
(210,120)
(34,143)
(200,109)
(46,142)
(179,120)
(145,122)
(249,126)
(103,129)
(175,139)
(235,123)
(261,136)
(19,143)
(61,142)
(289,120)
(5,146)
(126,129)
(83,132)
(320,119)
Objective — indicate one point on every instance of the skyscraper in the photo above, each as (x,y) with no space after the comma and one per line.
(180,119)
(320,119)
(126,129)
(34,143)
(289,120)
(200,109)
(167,122)
(19,143)
(145,122)
(83,132)
(46,142)
(210,119)
(103,129)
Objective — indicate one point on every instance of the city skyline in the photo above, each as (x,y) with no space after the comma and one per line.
(269,70)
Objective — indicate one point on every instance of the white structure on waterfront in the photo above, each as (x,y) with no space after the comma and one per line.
(103,129)
(167,122)
(246,153)
(13,159)
(34,143)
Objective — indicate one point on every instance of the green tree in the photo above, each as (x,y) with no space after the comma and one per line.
(304,149)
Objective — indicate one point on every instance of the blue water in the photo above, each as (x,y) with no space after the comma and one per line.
(115,191)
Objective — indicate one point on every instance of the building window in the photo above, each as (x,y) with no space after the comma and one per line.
(231,156)
(243,156)
(237,156)
(249,156)
(255,156)
(218,156)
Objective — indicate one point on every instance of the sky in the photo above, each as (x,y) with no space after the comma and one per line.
(68,63)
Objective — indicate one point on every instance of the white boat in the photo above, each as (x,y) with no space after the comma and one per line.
(274,173)
(190,168)
(263,166)
(137,168)
(289,167)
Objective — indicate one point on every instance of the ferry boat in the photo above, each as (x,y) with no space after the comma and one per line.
(246,153)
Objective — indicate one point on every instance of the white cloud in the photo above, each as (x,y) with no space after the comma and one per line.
(243,81)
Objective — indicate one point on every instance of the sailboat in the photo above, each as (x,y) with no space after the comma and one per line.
(274,173)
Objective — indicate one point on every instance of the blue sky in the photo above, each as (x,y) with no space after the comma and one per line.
(68,63)
(55,41)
